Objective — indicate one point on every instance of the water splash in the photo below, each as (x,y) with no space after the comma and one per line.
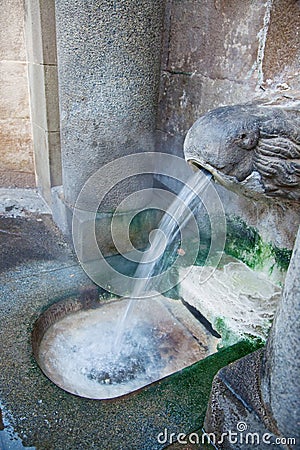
(109,351)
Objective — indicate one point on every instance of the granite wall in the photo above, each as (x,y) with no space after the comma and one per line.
(280,381)
(109,59)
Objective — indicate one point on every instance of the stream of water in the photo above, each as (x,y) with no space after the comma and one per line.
(161,239)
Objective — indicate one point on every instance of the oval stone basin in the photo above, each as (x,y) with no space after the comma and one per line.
(74,343)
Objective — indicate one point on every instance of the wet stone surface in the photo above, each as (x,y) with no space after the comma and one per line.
(30,239)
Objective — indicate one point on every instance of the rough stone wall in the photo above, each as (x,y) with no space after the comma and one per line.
(222,52)
(281,374)
(280,64)
(16,157)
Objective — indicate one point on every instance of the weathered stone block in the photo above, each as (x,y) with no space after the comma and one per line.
(14,90)
(51,92)
(16,159)
(216,39)
(12,45)
(41,153)
(16,179)
(281,370)
(185,97)
(40,31)
(16,145)
(47,156)
(282,50)
(44,96)
(236,415)
(179,102)
(54,158)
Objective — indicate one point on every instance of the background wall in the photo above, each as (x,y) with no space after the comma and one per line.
(222,52)
(16,152)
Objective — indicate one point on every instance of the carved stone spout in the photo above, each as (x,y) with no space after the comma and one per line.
(252,149)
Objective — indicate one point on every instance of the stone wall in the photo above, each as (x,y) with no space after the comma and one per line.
(280,64)
(223,52)
(280,376)
(226,52)
(215,52)
(16,155)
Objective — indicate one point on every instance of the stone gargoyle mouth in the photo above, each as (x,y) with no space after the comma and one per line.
(251,186)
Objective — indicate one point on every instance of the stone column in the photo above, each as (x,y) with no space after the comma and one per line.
(108,64)
(281,365)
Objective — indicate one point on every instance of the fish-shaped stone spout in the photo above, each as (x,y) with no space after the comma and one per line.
(252,149)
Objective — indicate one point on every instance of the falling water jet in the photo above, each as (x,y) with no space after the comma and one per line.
(174,219)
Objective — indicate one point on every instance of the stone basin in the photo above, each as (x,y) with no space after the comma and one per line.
(74,343)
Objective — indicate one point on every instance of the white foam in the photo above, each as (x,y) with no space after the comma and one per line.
(244,299)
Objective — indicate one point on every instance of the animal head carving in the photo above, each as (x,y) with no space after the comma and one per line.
(251,149)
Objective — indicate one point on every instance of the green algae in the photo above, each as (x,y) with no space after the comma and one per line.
(282,257)
(229,337)
(244,243)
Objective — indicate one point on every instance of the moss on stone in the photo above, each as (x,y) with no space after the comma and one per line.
(282,257)
(244,243)
(229,337)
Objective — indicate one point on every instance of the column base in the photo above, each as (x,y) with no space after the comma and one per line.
(236,415)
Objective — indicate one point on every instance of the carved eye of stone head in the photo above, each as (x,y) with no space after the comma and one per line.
(247,139)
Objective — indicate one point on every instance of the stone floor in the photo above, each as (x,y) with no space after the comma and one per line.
(38,269)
